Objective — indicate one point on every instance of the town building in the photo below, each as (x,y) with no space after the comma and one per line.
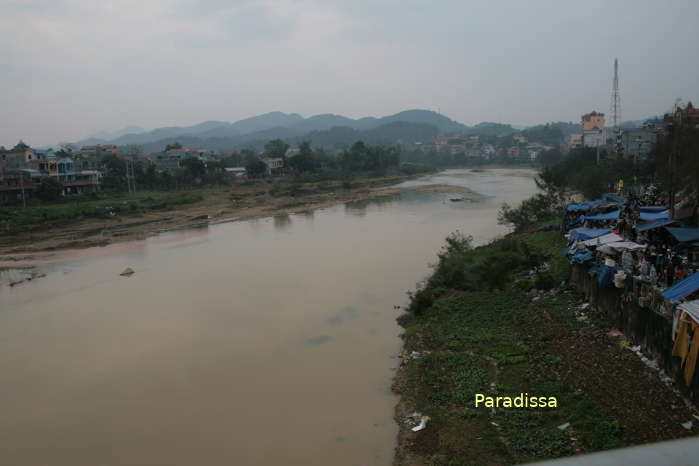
(275,166)
(689,114)
(22,168)
(17,157)
(99,150)
(639,142)
(575,140)
(593,130)
(171,160)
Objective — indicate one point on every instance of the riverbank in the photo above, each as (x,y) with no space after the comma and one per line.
(483,323)
(138,216)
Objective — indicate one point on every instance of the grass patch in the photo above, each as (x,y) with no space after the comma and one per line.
(462,324)
(16,219)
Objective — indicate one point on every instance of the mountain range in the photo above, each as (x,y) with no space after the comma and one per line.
(325,129)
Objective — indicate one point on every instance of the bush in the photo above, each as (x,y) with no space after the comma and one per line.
(49,189)
(485,268)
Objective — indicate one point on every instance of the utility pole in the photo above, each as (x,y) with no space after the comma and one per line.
(130,176)
(21,186)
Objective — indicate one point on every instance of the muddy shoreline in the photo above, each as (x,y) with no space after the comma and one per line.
(25,249)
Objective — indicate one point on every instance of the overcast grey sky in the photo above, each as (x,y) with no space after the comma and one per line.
(69,68)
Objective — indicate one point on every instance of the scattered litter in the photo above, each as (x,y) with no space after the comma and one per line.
(418,420)
(688,425)
(584,305)
(615,333)
(422,425)
(649,363)
(416,355)
(536,298)
(127,271)
(564,426)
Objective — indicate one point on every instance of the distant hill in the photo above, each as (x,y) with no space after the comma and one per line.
(565,128)
(490,129)
(281,125)
(105,135)
(403,132)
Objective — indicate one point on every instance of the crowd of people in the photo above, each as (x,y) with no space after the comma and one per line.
(629,236)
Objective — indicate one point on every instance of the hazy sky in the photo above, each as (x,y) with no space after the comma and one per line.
(69,68)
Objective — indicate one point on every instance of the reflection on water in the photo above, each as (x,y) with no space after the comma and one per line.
(268,342)
(282,221)
(358,208)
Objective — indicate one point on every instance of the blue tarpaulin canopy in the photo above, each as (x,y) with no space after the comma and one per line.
(608,216)
(684,235)
(614,198)
(578,207)
(654,224)
(649,216)
(683,289)
(653,208)
(584,234)
(584,206)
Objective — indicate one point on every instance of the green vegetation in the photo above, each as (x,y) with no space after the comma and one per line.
(472,326)
(15,220)
(49,189)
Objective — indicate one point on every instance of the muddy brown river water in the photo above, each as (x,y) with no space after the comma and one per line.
(268,342)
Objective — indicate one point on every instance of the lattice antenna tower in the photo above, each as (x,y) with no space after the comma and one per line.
(615,109)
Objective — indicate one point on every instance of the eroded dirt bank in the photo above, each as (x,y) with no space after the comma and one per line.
(218,207)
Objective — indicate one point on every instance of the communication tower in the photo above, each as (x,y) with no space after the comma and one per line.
(615,109)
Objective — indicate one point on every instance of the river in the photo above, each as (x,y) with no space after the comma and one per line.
(267,342)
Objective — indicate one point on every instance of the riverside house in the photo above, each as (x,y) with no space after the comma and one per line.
(22,168)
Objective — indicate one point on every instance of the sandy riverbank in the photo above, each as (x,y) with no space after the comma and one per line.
(216,207)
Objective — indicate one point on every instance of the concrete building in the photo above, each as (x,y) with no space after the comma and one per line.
(22,168)
(171,160)
(639,142)
(575,140)
(99,150)
(17,157)
(275,166)
(594,133)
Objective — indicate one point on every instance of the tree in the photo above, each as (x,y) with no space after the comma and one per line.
(550,157)
(175,145)
(276,148)
(49,189)
(195,167)
(114,178)
(255,167)
(305,161)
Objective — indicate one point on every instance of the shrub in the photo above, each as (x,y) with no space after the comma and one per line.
(49,189)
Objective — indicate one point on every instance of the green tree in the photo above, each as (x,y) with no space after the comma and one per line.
(305,161)
(49,189)
(550,157)
(276,148)
(175,145)
(195,167)
(114,178)
(254,167)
